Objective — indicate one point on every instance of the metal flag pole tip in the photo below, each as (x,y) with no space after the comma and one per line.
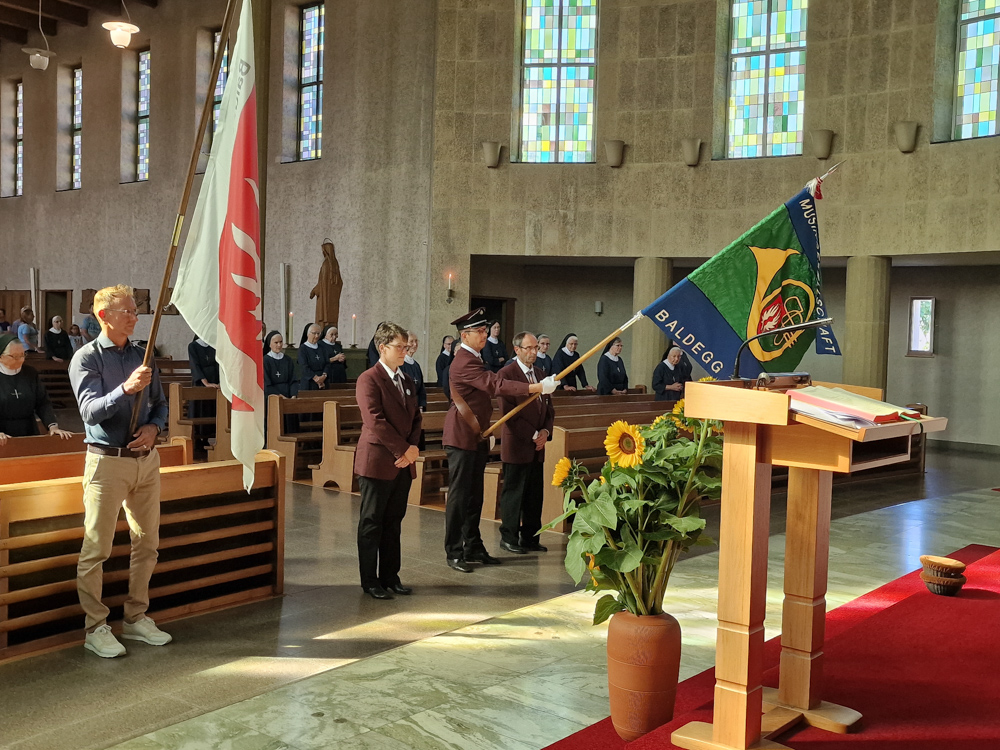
(815,185)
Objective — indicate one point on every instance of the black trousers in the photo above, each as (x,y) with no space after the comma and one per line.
(465,501)
(521,503)
(383,505)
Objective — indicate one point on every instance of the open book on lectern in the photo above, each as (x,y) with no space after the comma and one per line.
(839,406)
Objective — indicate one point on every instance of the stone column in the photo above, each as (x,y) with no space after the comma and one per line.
(866,321)
(652,277)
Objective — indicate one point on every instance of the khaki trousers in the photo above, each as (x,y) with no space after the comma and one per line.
(109,483)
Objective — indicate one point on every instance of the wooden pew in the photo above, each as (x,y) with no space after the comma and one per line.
(179,423)
(173,371)
(585,444)
(222,449)
(55,378)
(177,452)
(219,546)
(40,445)
(306,443)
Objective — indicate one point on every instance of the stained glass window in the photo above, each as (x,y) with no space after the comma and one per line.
(978,62)
(311,82)
(767,75)
(220,83)
(19,168)
(559,72)
(142,164)
(77,128)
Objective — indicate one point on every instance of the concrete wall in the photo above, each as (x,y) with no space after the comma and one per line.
(959,382)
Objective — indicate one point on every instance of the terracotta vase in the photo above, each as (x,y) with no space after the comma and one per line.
(644,657)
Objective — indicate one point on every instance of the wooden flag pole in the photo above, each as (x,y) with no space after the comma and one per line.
(232,7)
(599,346)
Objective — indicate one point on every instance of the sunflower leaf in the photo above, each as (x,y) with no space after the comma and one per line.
(576,565)
(607,605)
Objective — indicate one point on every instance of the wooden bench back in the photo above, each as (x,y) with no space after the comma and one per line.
(40,445)
(178,452)
(225,547)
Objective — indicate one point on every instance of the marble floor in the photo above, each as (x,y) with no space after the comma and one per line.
(513,663)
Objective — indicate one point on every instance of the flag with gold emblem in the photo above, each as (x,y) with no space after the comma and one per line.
(768,278)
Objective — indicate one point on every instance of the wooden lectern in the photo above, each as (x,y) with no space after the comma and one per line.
(761,432)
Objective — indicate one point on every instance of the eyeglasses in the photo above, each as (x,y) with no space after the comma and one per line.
(131,313)
(15,357)
(527,348)
(397,347)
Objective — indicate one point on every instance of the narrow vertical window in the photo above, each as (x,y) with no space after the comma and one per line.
(77,128)
(220,83)
(978,63)
(767,74)
(311,82)
(142,119)
(558,76)
(19,143)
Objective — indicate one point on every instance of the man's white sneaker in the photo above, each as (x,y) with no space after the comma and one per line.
(145,630)
(103,643)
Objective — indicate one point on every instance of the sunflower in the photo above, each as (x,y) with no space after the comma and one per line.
(707,379)
(563,467)
(624,445)
(678,413)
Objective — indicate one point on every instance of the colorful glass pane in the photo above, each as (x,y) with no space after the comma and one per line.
(142,135)
(746,107)
(77,128)
(576,114)
(767,87)
(220,82)
(579,31)
(785,103)
(311,83)
(19,167)
(977,8)
(558,82)
(749,20)
(541,31)
(788,23)
(978,66)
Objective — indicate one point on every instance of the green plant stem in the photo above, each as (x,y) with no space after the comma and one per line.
(644,610)
(672,549)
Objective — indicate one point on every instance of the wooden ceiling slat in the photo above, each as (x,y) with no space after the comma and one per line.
(56,9)
(26,21)
(13,34)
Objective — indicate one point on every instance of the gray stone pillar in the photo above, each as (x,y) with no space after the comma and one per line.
(652,277)
(866,324)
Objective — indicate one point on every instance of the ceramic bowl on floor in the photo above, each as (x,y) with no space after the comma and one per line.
(941,585)
(943,567)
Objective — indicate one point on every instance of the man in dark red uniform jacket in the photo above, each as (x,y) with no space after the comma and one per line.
(472,389)
(384,460)
(522,450)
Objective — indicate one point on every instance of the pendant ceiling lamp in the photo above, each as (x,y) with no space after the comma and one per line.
(39,58)
(122,31)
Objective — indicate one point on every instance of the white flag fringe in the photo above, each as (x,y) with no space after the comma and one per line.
(218,281)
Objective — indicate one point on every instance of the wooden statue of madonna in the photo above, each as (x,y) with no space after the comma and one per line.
(328,288)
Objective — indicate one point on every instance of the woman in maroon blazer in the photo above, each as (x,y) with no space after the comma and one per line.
(384,461)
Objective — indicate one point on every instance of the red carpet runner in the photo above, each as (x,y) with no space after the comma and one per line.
(924,671)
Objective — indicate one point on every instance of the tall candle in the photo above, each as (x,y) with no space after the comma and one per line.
(354,330)
(449,282)
(291,328)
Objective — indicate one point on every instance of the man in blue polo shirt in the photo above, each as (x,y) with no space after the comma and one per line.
(121,468)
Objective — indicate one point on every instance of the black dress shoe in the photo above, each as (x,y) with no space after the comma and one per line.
(515,548)
(398,588)
(377,592)
(534,547)
(459,565)
(483,557)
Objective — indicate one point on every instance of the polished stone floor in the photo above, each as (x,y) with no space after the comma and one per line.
(502,658)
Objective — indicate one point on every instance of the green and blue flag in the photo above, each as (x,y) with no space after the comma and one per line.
(768,278)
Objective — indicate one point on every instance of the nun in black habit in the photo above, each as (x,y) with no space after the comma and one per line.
(312,359)
(611,375)
(279,376)
(22,395)
(563,358)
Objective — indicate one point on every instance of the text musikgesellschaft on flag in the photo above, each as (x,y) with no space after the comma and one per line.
(218,282)
(768,278)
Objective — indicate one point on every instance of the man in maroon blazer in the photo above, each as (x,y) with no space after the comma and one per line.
(522,450)
(472,388)
(384,460)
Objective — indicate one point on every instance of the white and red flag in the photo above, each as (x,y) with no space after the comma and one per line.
(218,282)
